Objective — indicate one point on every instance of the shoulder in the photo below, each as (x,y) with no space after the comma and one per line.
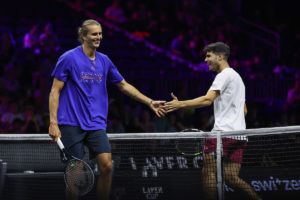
(105,58)
(226,76)
(224,73)
(235,75)
(229,72)
(102,55)
(69,54)
(232,71)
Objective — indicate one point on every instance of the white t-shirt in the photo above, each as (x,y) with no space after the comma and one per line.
(229,105)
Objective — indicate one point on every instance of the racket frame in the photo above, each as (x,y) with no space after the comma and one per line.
(68,158)
(200,143)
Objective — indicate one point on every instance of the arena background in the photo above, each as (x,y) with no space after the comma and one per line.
(157,47)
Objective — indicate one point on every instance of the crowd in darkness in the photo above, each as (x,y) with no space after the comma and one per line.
(24,78)
(182,27)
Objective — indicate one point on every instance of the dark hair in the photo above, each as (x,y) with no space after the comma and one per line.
(218,48)
(83,29)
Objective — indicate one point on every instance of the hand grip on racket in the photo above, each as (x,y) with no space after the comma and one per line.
(78,175)
(60,144)
(62,148)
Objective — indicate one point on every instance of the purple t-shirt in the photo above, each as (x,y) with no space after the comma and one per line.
(83,100)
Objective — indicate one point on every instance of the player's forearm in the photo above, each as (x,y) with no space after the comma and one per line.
(135,94)
(53,105)
(199,102)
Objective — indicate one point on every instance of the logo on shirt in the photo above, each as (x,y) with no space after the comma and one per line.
(90,77)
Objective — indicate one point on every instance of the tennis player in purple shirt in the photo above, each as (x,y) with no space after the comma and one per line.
(78,102)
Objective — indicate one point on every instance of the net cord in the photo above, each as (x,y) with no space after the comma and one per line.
(164,135)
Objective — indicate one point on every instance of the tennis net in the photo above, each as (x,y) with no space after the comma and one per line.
(152,166)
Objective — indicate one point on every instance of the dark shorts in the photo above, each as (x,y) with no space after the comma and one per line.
(74,140)
(233,149)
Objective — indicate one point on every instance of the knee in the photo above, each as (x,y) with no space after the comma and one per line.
(208,175)
(231,179)
(208,170)
(106,168)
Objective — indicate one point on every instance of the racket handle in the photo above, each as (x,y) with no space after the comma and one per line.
(60,144)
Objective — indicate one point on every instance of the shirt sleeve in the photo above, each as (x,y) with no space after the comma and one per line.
(114,76)
(220,82)
(62,68)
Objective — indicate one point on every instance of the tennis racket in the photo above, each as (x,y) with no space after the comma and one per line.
(189,147)
(78,175)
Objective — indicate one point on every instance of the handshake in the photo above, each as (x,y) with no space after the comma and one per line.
(161,108)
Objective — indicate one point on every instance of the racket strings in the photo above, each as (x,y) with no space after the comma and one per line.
(79,177)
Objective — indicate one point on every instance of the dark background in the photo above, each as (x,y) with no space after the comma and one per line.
(157,47)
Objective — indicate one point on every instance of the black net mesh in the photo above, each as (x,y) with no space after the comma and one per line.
(152,168)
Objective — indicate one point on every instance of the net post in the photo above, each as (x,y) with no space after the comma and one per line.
(219,150)
(3,169)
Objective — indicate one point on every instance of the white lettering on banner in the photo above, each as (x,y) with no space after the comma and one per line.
(227,188)
(170,162)
(273,184)
(132,163)
(152,192)
(153,163)
(158,162)
(286,185)
(195,161)
(149,167)
(295,184)
(182,162)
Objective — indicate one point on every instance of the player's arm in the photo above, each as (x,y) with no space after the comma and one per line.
(132,92)
(245,109)
(198,102)
(135,94)
(53,107)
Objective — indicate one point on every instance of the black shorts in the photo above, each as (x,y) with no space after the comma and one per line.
(74,140)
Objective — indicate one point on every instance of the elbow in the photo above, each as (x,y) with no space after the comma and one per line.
(123,90)
(208,102)
(123,86)
(54,94)
(245,110)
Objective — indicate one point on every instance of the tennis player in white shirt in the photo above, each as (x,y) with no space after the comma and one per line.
(227,93)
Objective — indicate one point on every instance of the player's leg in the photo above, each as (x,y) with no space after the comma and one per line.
(231,175)
(104,162)
(99,147)
(209,182)
(232,165)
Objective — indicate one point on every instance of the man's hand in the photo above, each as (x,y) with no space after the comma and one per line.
(172,105)
(157,107)
(54,131)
